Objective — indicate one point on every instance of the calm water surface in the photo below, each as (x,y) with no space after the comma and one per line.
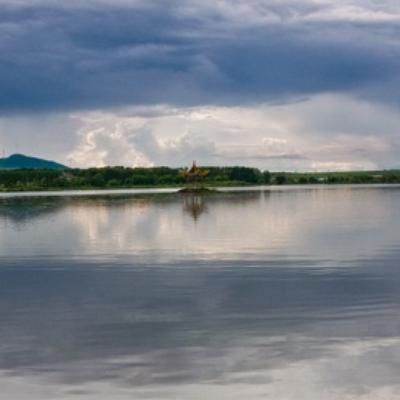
(281,294)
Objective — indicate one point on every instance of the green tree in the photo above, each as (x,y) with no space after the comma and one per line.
(280,179)
(266,177)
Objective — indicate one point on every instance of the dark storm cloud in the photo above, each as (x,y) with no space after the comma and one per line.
(69,57)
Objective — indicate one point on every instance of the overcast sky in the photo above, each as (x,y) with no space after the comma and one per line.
(276,84)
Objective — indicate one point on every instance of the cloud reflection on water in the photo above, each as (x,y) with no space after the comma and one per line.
(331,224)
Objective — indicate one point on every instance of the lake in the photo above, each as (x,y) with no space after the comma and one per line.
(281,293)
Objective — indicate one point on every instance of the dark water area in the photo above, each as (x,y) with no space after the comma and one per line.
(281,293)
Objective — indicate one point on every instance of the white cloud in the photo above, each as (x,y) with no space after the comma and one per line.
(106,139)
(330,132)
(261,12)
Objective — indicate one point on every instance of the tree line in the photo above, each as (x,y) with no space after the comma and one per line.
(122,177)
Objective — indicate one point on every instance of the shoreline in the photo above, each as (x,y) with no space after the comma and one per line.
(176,190)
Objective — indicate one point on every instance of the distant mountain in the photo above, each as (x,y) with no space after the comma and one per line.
(17,161)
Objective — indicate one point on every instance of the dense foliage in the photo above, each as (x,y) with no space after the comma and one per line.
(121,177)
(350,177)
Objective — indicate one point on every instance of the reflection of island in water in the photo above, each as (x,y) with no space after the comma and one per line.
(194,205)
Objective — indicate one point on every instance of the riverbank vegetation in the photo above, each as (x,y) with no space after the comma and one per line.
(121,177)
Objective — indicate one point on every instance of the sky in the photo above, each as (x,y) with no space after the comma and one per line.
(275,84)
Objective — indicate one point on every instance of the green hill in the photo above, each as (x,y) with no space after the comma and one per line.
(18,161)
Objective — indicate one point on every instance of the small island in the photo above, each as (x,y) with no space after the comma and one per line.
(194,177)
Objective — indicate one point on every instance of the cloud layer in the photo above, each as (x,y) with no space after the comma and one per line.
(289,84)
(101,53)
